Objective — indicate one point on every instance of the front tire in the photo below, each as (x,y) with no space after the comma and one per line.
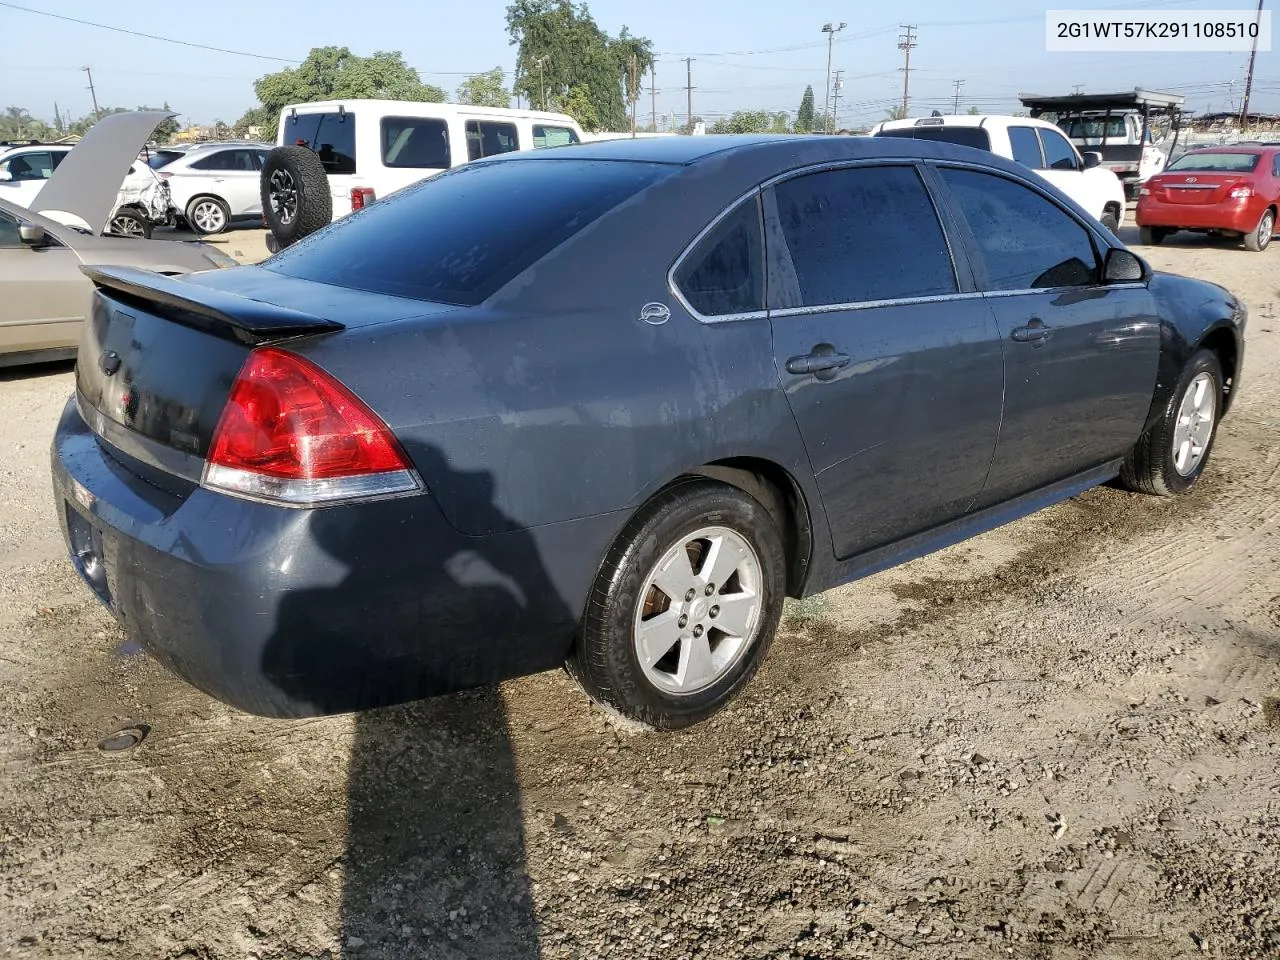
(1152,236)
(1260,239)
(1170,457)
(684,608)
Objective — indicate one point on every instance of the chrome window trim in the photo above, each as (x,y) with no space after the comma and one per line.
(1028,291)
(873,304)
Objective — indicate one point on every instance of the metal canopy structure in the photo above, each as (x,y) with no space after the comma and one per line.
(1137,99)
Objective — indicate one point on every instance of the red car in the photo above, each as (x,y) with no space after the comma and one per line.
(1234,191)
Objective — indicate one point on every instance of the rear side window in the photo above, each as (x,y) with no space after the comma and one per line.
(863,234)
(459,237)
(418,142)
(488,138)
(1058,154)
(1027,242)
(724,274)
(331,135)
(1026,147)
(964,136)
(242,160)
(544,136)
(38,165)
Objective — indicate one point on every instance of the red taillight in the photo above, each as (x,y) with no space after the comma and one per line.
(361,197)
(293,433)
(1241,193)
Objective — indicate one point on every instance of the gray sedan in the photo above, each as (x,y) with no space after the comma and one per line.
(607,406)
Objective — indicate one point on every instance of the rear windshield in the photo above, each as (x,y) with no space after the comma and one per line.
(459,237)
(1216,162)
(331,135)
(964,136)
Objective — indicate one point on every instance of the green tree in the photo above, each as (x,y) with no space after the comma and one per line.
(566,62)
(804,116)
(974,111)
(898,112)
(335,73)
(484,90)
(167,128)
(751,121)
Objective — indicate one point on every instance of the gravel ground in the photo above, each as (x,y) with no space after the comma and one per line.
(1057,740)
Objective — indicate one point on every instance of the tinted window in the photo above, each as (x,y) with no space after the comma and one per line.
(863,234)
(242,160)
(9,236)
(552,136)
(965,136)
(1027,241)
(457,238)
(1026,146)
(724,273)
(488,138)
(1209,162)
(1058,154)
(331,135)
(162,157)
(1275,166)
(418,142)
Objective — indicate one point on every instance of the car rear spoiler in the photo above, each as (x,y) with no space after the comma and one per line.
(197,305)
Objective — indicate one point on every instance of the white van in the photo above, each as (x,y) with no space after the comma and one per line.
(371,148)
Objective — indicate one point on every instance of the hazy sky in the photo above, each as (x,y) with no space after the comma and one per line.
(747,53)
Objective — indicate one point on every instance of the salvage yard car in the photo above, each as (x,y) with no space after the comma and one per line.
(1037,144)
(1231,191)
(694,376)
(215,184)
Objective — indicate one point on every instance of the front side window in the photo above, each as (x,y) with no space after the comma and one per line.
(724,274)
(1026,147)
(544,136)
(1027,242)
(419,143)
(863,234)
(9,236)
(331,135)
(1058,154)
(488,138)
(37,165)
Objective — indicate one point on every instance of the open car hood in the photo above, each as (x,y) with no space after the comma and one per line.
(86,183)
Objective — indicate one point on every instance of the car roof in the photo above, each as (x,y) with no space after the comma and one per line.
(964,120)
(423,108)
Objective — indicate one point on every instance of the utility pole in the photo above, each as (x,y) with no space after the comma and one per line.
(97,114)
(1078,89)
(688,66)
(835,101)
(956,108)
(542,84)
(653,95)
(57,117)
(1248,82)
(906,43)
(830,29)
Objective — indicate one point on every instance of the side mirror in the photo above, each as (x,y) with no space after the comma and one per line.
(1123,266)
(32,234)
(1092,158)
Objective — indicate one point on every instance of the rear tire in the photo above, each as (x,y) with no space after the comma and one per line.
(1260,238)
(295,194)
(1152,236)
(1169,458)
(1110,221)
(208,215)
(662,643)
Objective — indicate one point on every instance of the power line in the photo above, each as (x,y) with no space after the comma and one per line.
(146,36)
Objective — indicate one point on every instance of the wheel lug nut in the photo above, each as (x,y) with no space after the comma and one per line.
(683,621)
(715,611)
(697,631)
(690,595)
(711,588)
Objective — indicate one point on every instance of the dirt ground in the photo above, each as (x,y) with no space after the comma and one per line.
(1058,740)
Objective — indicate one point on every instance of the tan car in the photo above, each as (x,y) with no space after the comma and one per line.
(43,293)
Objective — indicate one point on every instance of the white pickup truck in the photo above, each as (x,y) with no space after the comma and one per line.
(1037,144)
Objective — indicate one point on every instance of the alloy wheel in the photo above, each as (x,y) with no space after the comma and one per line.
(284,196)
(208,216)
(1194,427)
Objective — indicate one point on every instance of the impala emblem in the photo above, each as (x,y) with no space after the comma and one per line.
(655,313)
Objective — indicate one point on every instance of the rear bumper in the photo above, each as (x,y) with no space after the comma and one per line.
(1240,216)
(287,612)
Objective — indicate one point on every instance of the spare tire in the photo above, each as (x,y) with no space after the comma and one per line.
(295,194)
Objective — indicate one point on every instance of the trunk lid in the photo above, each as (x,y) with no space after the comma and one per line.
(1196,187)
